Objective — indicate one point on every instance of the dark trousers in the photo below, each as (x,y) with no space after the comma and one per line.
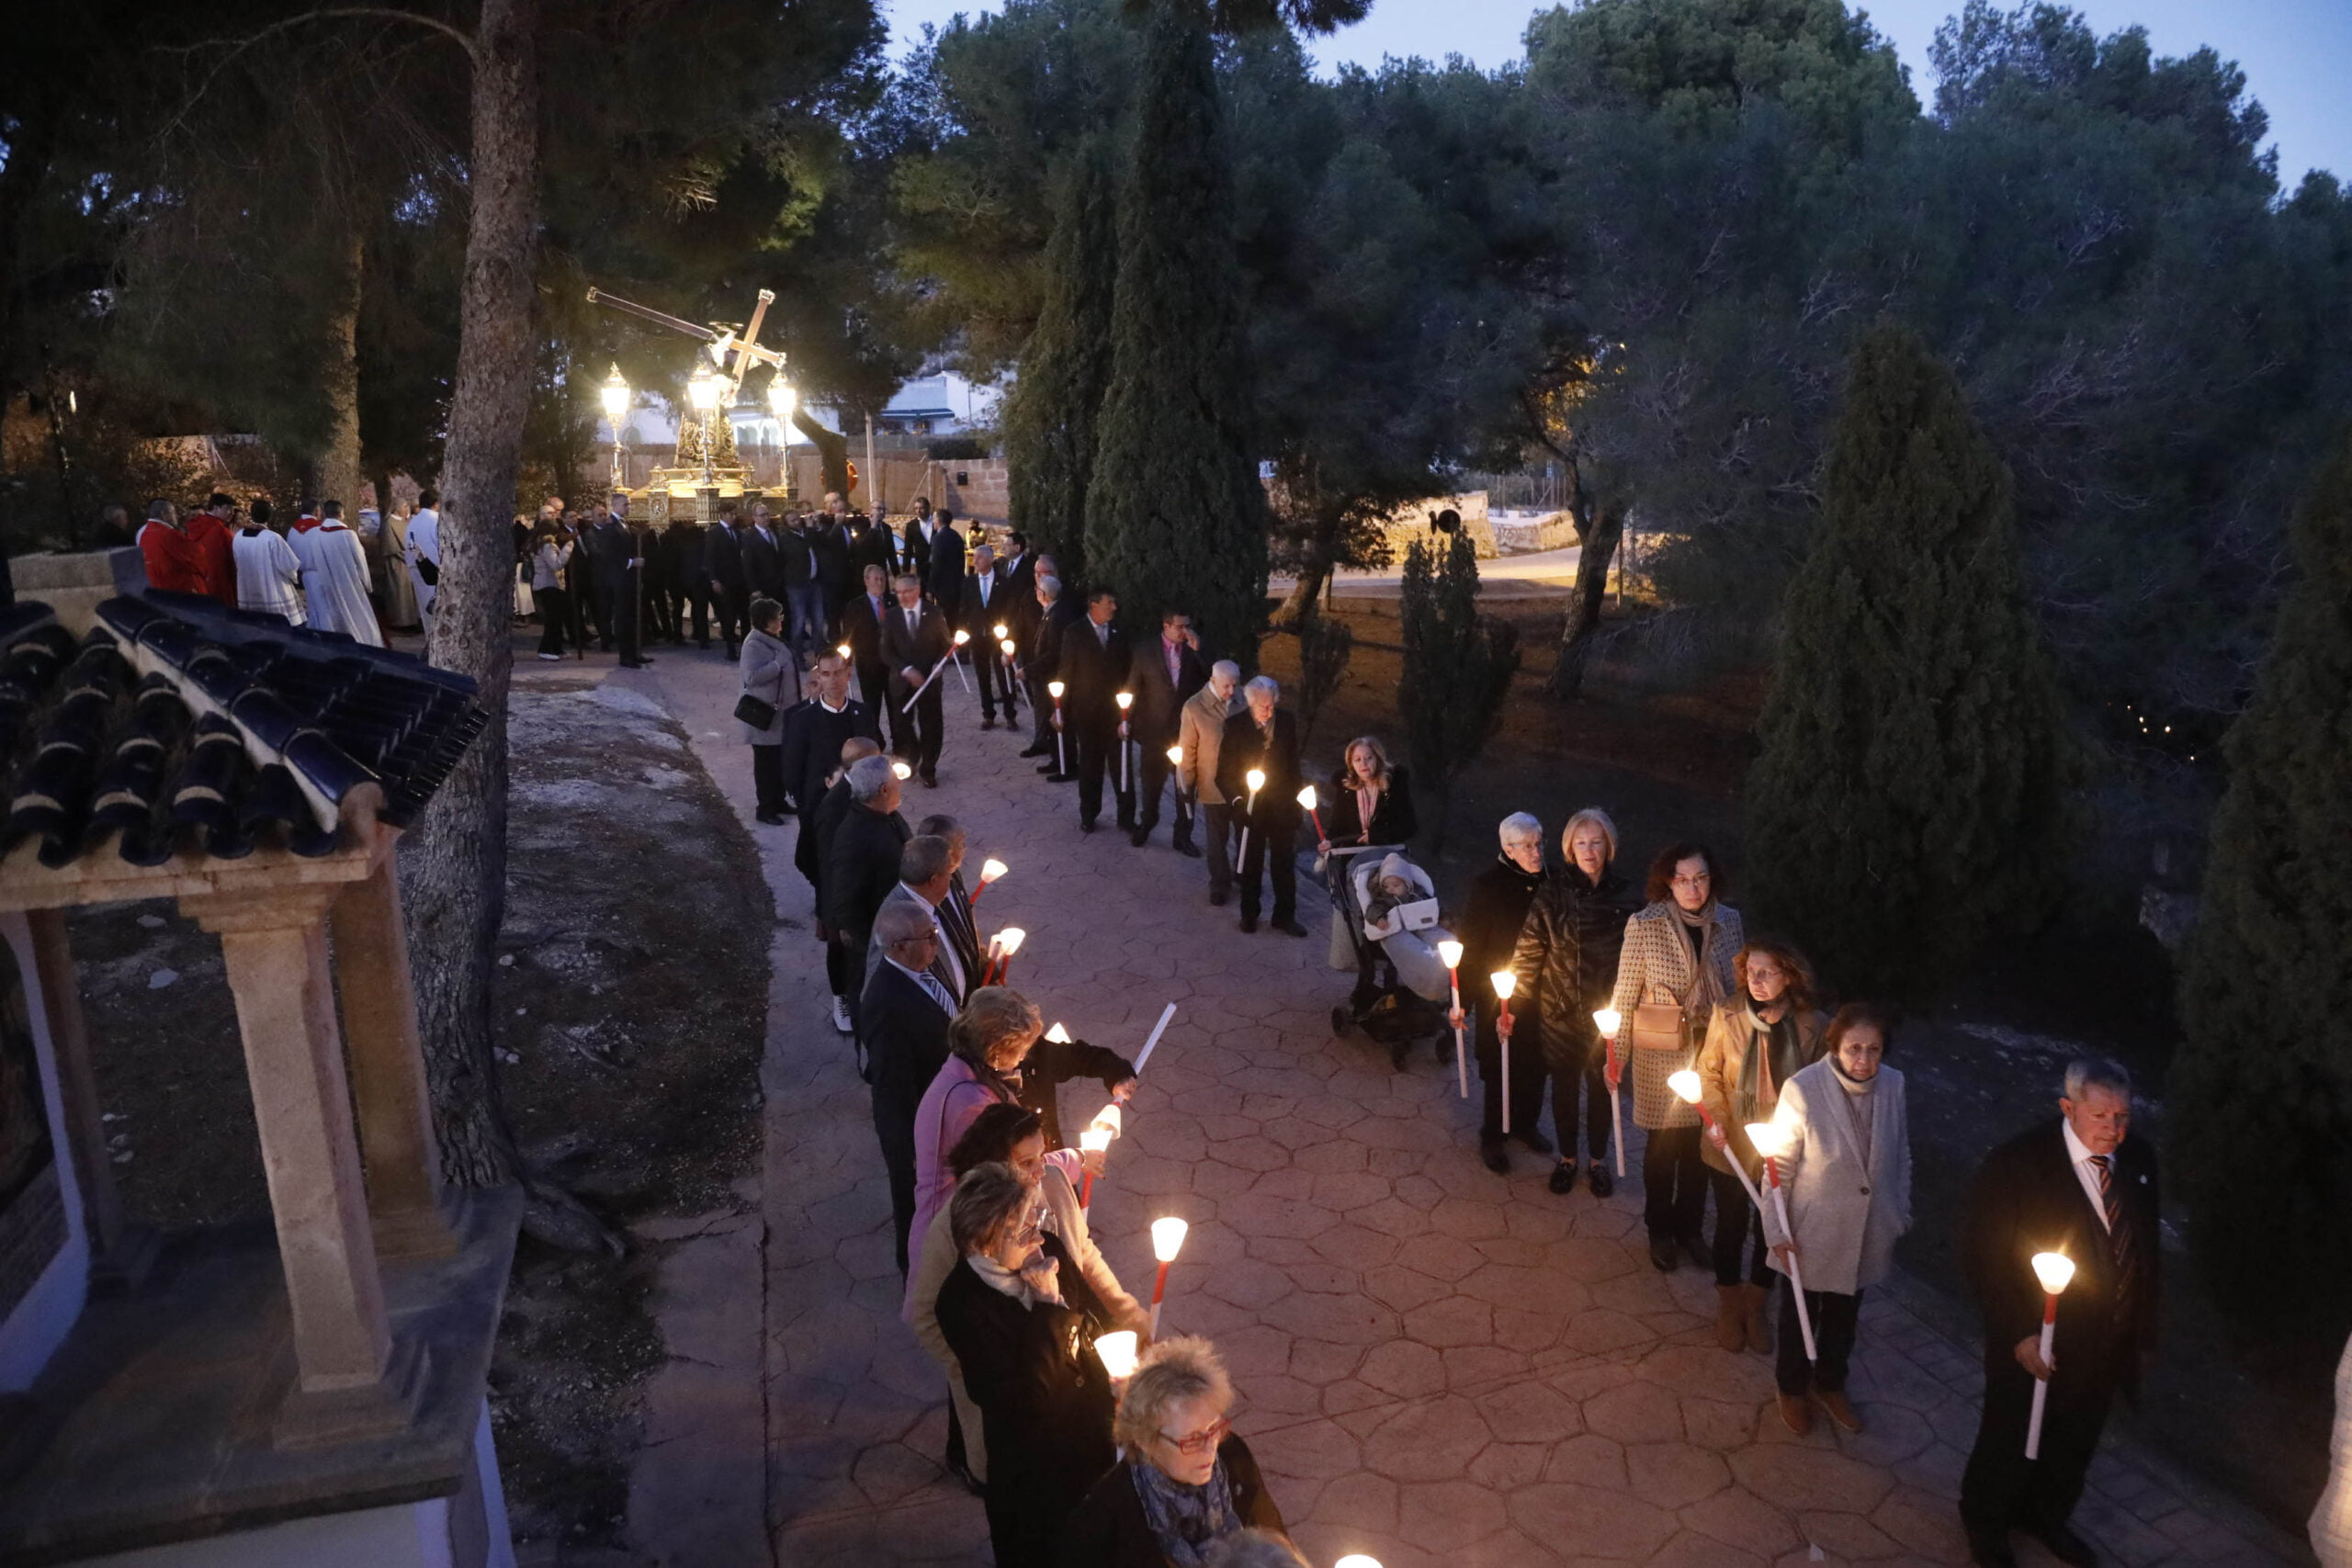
(1674,1185)
(1834,1317)
(1737,1226)
(555,612)
(693,602)
(1149,760)
(1526,1085)
(661,614)
(874,684)
(1275,851)
(1041,710)
(1098,752)
(767,778)
(2001,1490)
(616,613)
(993,678)
(897,1140)
(1216,847)
(837,968)
(1575,1058)
(918,741)
(733,608)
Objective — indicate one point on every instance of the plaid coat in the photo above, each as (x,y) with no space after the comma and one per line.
(1655,965)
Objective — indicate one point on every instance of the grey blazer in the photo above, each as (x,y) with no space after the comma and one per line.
(1846,1214)
(771,673)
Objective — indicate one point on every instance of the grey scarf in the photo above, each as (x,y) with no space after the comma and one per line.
(1186,1521)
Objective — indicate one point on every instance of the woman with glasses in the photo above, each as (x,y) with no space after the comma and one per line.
(1186,1481)
(1674,970)
(988,1043)
(1846,1167)
(1021,1323)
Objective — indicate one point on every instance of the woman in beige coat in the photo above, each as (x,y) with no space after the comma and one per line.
(1014,1136)
(1758,1041)
(1673,971)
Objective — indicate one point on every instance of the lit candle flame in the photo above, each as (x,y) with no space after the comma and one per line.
(1504,983)
(1770,1138)
(1307,797)
(903,770)
(1256,779)
(962,638)
(1449,953)
(1167,1238)
(991,869)
(1011,938)
(1094,1140)
(1124,699)
(843,650)
(1685,1085)
(1608,1020)
(2054,1269)
(1001,630)
(1007,646)
(1117,1353)
(1357,1560)
(1054,689)
(1059,1036)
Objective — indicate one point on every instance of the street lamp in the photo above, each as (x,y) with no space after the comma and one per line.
(703,391)
(781,399)
(614,393)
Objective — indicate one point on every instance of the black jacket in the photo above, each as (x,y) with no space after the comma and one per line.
(2026,1199)
(723,560)
(1245,747)
(1159,701)
(905,1035)
(763,563)
(919,649)
(830,539)
(1566,957)
(982,620)
(862,629)
(860,867)
(815,839)
(1053,1063)
(1393,821)
(1488,929)
(1045,1402)
(683,549)
(1094,672)
(943,571)
(813,737)
(1109,1530)
(611,546)
(796,556)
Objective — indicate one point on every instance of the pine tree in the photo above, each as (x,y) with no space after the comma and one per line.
(1458,666)
(2260,1092)
(1175,515)
(1909,796)
(1049,420)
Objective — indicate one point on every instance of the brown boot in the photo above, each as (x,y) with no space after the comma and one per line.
(1796,1414)
(1751,1320)
(1839,1410)
(1729,1332)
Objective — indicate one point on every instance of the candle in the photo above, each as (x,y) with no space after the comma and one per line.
(1054,689)
(1093,1140)
(1449,953)
(1685,1085)
(1110,1118)
(991,869)
(1307,800)
(1256,779)
(2055,1271)
(1003,632)
(1118,1354)
(1126,700)
(1059,1036)
(903,771)
(843,650)
(961,639)
(1167,1241)
(1771,1141)
(1005,944)
(1157,1030)
(1609,1021)
(1505,983)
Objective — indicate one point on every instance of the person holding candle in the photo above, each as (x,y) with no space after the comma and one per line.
(988,1043)
(1488,929)
(1757,1042)
(1040,652)
(1022,1323)
(985,606)
(1371,800)
(1841,1153)
(862,863)
(2083,1185)
(955,917)
(1567,961)
(1185,1483)
(916,639)
(1011,1136)
(1200,736)
(903,1022)
(1095,663)
(1264,739)
(1167,673)
(1674,970)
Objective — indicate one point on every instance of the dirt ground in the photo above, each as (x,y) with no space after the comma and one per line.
(1668,763)
(630,995)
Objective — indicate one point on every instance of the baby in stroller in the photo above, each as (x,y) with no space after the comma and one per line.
(1389,908)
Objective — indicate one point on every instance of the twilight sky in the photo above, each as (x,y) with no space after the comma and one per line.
(2294,52)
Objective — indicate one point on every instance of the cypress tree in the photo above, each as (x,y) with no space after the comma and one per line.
(1175,515)
(1457,671)
(2260,1093)
(1909,796)
(1049,420)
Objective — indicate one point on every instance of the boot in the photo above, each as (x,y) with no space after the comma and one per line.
(1752,1319)
(1729,1332)
(1795,1414)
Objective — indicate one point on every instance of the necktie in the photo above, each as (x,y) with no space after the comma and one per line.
(937,992)
(2119,1232)
(1103,634)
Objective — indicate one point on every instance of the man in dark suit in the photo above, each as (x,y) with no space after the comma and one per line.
(914,545)
(943,571)
(815,727)
(862,621)
(955,910)
(804,594)
(764,566)
(926,878)
(618,551)
(815,843)
(1263,737)
(914,638)
(1095,663)
(902,1018)
(731,585)
(687,544)
(830,539)
(1019,569)
(862,860)
(988,605)
(2082,1186)
(1041,666)
(1167,671)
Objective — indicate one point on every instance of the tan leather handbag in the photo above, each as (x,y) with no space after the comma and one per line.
(1659,1026)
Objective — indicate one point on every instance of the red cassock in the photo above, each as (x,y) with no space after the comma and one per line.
(175,560)
(217,555)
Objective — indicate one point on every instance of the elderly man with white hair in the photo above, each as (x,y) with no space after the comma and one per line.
(1264,741)
(1200,733)
(1488,930)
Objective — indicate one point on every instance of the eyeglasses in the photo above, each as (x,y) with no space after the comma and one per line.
(1202,1441)
(1702,880)
(1031,1224)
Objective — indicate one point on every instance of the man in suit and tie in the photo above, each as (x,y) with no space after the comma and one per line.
(1167,672)
(814,844)
(902,1018)
(943,571)
(915,544)
(1095,664)
(1038,647)
(954,910)
(763,544)
(815,727)
(1263,737)
(861,620)
(915,639)
(2081,1185)
(618,551)
(731,586)
(927,878)
(862,860)
(988,605)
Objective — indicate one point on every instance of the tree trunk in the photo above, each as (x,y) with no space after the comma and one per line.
(457,872)
(1306,594)
(1604,525)
(339,475)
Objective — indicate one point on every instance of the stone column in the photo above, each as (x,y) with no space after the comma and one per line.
(86,1133)
(277,951)
(387,1088)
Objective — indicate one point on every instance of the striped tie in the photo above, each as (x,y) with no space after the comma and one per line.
(932,984)
(2119,1232)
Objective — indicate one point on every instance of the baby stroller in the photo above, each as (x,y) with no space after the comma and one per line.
(1389,908)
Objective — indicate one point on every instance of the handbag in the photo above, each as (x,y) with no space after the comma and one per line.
(1659,1026)
(755,711)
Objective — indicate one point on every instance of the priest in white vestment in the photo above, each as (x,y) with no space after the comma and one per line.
(335,579)
(269,579)
(424,553)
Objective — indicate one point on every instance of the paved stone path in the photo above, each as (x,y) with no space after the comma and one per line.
(1435,1365)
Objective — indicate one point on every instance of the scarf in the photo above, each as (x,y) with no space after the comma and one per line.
(305,522)
(1775,1052)
(1699,929)
(1000,1279)
(1861,1108)
(1186,1521)
(1367,808)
